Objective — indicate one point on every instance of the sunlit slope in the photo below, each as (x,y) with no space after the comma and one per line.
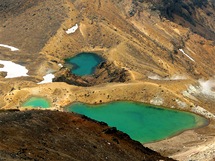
(132,34)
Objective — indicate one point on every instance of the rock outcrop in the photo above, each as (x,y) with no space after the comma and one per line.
(106,72)
(197,15)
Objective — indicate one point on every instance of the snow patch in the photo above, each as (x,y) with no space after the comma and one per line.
(13,70)
(155,77)
(60,65)
(10,47)
(186,55)
(178,77)
(189,95)
(181,104)
(47,79)
(72,29)
(207,86)
(173,77)
(157,101)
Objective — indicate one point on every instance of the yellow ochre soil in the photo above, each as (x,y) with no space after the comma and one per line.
(132,35)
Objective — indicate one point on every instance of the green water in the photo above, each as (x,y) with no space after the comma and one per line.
(36,102)
(84,63)
(141,122)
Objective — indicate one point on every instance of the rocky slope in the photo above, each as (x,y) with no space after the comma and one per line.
(161,52)
(145,42)
(197,15)
(106,72)
(47,135)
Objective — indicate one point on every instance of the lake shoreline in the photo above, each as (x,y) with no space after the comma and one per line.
(62,94)
(140,119)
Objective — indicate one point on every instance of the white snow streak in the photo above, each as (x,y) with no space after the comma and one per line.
(47,79)
(155,77)
(10,47)
(72,29)
(173,77)
(13,70)
(207,86)
(187,55)
(60,65)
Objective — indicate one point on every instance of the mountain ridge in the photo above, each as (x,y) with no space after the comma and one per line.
(167,51)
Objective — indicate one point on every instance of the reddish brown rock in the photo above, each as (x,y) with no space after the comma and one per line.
(52,135)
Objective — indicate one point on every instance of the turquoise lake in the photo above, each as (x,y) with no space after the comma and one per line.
(36,102)
(84,63)
(141,122)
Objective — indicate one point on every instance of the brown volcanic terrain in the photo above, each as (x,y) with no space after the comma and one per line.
(52,135)
(139,38)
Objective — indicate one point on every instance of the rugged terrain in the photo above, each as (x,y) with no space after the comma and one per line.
(48,135)
(160,52)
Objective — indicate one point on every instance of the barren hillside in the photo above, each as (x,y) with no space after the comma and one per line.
(159,52)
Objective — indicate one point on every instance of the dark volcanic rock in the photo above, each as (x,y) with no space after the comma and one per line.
(188,13)
(52,135)
(108,72)
(64,75)
(105,72)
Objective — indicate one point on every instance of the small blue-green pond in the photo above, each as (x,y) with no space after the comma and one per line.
(141,122)
(36,102)
(84,63)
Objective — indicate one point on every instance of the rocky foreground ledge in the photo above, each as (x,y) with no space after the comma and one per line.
(53,135)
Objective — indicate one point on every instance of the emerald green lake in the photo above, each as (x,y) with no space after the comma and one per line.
(141,122)
(84,63)
(36,102)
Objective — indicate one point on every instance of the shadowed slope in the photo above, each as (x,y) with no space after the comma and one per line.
(47,135)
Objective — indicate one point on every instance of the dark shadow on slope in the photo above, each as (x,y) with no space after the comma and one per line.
(194,14)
